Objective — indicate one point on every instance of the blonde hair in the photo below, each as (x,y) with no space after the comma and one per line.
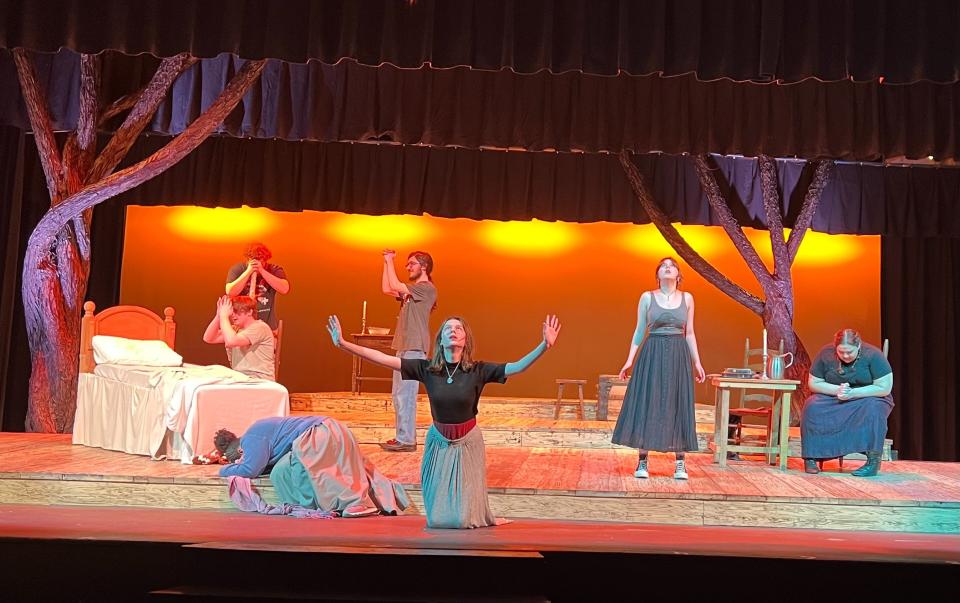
(437,362)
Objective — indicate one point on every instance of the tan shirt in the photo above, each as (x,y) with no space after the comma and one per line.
(413,325)
(256,359)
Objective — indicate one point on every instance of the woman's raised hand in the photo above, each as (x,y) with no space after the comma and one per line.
(551,328)
(333,327)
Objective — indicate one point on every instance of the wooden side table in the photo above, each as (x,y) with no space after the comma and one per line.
(604,386)
(779,443)
(377,342)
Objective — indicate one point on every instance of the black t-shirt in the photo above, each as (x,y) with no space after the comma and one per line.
(453,402)
(265,295)
(870,365)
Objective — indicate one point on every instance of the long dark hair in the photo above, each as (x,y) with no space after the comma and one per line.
(437,362)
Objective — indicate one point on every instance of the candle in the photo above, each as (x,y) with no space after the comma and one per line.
(764,342)
(364,317)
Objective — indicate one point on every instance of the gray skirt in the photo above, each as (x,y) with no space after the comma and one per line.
(830,428)
(325,470)
(453,476)
(658,411)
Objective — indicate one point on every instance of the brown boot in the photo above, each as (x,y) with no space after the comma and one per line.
(871,467)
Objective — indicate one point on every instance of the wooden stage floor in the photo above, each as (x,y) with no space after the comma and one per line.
(569,484)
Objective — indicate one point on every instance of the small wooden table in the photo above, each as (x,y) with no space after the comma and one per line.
(377,342)
(779,443)
(604,386)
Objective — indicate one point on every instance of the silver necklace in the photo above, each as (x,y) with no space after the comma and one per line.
(449,374)
(841,369)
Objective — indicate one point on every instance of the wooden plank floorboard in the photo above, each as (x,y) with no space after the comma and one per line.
(771,482)
(503,464)
(917,482)
(730,483)
(564,471)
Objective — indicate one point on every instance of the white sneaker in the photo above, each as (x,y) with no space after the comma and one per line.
(641,471)
(681,471)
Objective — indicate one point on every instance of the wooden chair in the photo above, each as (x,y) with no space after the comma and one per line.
(886,351)
(560,401)
(277,342)
(753,359)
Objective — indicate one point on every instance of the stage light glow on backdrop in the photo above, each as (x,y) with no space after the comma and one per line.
(501,275)
(222,224)
(376,232)
(530,239)
(817,249)
(646,241)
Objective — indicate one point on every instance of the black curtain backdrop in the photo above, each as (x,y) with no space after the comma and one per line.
(467,108)
(741,40)
(12,331)
(920,305)
(24,201)
(517,185)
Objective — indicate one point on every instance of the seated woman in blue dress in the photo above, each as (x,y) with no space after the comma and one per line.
(848,411)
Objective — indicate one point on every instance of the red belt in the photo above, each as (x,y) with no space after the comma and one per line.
(455,431)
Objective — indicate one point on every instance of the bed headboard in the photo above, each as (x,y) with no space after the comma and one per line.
(132,322)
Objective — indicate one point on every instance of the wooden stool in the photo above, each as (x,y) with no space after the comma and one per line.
(560,383)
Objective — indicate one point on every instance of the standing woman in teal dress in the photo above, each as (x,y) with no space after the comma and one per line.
(658,410)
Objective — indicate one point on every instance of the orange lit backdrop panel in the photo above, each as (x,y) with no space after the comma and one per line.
(502,276)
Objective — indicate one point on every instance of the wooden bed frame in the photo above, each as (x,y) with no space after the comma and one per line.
(132,322)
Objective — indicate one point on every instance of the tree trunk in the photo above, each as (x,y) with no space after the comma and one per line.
(57,261)
(778,321)
(53,295)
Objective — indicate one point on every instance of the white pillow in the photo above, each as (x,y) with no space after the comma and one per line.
(119,350)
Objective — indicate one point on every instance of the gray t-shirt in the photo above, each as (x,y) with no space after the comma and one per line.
(413,325)
(265,295)
(256,359)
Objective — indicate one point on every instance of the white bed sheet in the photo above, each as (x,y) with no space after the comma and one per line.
(169,412)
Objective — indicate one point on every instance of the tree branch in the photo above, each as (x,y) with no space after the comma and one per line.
(120,105)
(811,202)
(730,225)
(81,145)
(161,160)
(41,124)
(139,116)
(774,213)
(689,255)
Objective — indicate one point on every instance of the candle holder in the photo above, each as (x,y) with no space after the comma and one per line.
(764,375)
(363,327)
